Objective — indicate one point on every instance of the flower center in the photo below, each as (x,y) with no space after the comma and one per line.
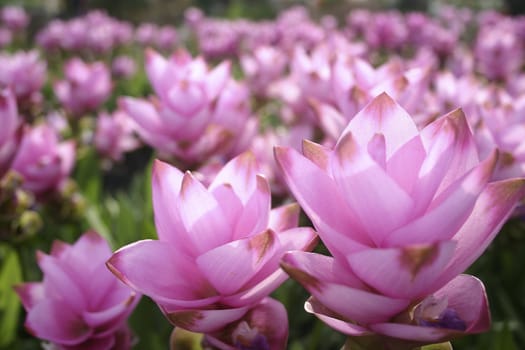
(434,312)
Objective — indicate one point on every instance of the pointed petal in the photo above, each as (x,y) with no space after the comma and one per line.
(368,190)
(230,266)
(347,297)
(448,212)
(383,115)
(313,306)
(205,321)
(493,207)
(320,199)
(30,293)
(155,66)
(256,213)
(406,272)
(202,216)
(55,321)
(284,217)
(217,79)
(109,320)
(318,154)
(175,276)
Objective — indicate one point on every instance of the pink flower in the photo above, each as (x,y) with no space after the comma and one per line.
(79,304)
(264,66)
(85,88)
(114,135)
(43,161)
(11,130)
(188,119)
(14,17)
(24,72)
(219,247)
(403,212)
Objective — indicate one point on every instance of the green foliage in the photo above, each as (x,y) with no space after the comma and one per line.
(10,274)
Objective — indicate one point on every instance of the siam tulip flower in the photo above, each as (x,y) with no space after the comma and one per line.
(145,34)
(14,18)
(49,38)
(123,67)
(79,304)
(403,212)
(217,38)
(166,38)
(186,118)
(6,37)
(499,51)
(43,161)
(193,16)
(23,72)
(264,66)
(11,130)
(387,30)
(219,246)
(85,88)
(114,135)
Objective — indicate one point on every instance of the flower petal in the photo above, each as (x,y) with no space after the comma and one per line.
(205,321)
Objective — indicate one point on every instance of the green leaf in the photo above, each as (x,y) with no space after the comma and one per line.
(504,340)
(10,274)
(442,346)
(88,176)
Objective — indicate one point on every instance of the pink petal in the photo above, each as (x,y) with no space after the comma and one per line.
(202,216)
(230,266)
(284,217)
(55,321)
(372,194)
(403,166)
(406,272)
(60,280)
(109,320)
(493,207)
(30,293)
(346,297)
(154,268)
(319,197)
(217,78)
(383,115)
(318,154)
(466,295)
(240,173)
(313,306)
(166,183)
(427,335)
(205,321)
(155,66)
(256,213)
(448,212)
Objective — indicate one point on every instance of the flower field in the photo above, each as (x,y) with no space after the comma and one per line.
(299,183)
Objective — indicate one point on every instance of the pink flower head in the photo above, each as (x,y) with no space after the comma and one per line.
(264,66)
(14,17)
(114,135)
(403,212)
(43,161)
(24,72)
(219,246)
(11,130)
(79,304)
(123,67)
(85,88)
(186,118)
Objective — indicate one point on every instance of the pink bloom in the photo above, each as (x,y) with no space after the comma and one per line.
(11,130)
(191,117)
(266,65)
(24,72)
(79,304)
(43,161)
(85,88)
(114,135)
(403,212)
(14,17)
(219,247)
(123,67)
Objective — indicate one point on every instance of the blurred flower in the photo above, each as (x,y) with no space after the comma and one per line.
(265,65)
(79,304)
(166,38)
(85,88)
(145,34)
(114,135)
(14,17)
(11,130)
(197,112)
(23,72)
(43,161)
(6,37)
(123,67)
(219,247)
(402,212)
